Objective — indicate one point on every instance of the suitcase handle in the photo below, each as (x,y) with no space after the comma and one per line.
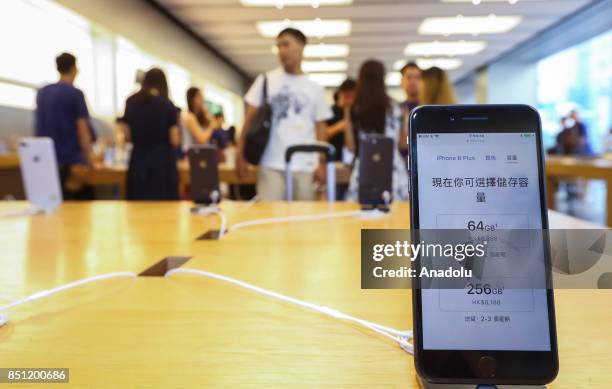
(316,147)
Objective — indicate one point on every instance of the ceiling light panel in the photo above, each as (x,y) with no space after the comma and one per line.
(324,66)
(476,2)
(442,63)
(293,3)
(426,63)
(312,28)
(328,79)
(468,25)
(448,48)
(393,79)
(323,50)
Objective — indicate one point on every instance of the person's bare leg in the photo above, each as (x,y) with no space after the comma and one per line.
(270,184)
(304,186)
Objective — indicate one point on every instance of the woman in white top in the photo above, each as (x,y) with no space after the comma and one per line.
(375,112)
(198,122)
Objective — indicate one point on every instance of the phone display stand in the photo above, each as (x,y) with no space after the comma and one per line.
(385,206)
(426,385)
(206,210)
(381,207)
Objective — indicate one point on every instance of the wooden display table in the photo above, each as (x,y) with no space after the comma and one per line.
(191,332)
(558,168)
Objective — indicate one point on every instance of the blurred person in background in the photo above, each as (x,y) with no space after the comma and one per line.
(236,191)
(437,88)
(179,153)
(374,112)
(573,121)
(608,142)
(299,112)
(62,115)
(198,123)
(220,137)
(231,131)
(151,123)
(344,97)
(121,144)
(412,84)
(572,139)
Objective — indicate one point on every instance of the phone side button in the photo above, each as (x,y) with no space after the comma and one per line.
(487,367)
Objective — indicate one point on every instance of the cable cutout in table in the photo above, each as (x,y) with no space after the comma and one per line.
(401,337)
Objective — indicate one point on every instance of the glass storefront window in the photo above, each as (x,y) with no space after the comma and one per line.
(579,78)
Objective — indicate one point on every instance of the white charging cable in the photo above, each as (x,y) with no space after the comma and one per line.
(250,203)
(401,337)
(222,221)
(22,212)
(304,218)
(48,292)
(213,209)
(284,219)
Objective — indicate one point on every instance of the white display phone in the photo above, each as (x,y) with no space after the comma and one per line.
(39,172)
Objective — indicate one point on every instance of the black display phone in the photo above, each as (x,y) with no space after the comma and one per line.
(480,167)
(375,170)
(204,174)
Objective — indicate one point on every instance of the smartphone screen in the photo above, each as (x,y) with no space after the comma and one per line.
(479,169)
(481,180)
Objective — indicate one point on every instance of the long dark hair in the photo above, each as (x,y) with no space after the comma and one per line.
(155,79)
(371,99)
(199,113)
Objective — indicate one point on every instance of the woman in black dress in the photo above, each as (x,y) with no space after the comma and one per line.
(373,111)
(152,121)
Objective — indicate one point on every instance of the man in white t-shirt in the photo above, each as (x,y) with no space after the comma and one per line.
(299,114)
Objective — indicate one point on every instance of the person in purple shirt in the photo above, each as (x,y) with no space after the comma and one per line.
(62,115)
(220,136)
